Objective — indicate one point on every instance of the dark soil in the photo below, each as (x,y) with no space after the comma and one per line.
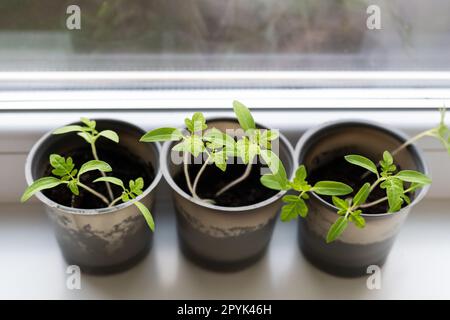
(340,170)
(124,164)
(248,192)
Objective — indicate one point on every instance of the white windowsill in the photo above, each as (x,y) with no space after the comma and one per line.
(32,266)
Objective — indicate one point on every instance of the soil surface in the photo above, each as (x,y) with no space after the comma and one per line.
(340,170)
(248,192)
(124,164)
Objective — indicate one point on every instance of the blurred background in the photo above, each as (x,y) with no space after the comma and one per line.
(224,35)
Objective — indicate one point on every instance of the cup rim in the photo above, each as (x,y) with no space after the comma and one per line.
(222,209)
(413,149)
(79,211)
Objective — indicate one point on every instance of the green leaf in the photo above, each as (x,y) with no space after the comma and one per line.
(339,203)
(39,185)
(361,161)
(337,229)
(62,166)
(67,129)
(266,137)
(94,165)
(247,150)
(271,159)
(89,123)
(136,186)
(198,122)
(109,134)
(331,188)
(125,197)
(192,144)
(413,176)
(394,191)
(112,180)
(86,136)
(217,139)
(387,158)
(220,159)
(244,116)
(275,181)
(162,134)
(357,220)
(362,195)
(73,187)
(147,215)
(300,174)
(293,209)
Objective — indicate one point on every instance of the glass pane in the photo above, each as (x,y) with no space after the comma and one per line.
(224,35)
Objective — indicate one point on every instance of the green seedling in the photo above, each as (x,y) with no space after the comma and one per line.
(397,184)
(217,147)
(64,172)
(134,190)
(89,133)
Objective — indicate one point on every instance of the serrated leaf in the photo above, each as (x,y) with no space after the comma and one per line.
(67,129)
(293,209)
(162,134)
(147,215)
(109,134)
(191,144)
(89,123)
(413,176)
(394,192)
(363,162)
(73,187)
(125,197)
(112,180)
(362,195)
(94,165)
(61,165)
(39,185)
(198,122)
(244,116)
(247,150)
(136,186)
(358,221)
(266,138)
(339,203)
(331,188)
(337,229)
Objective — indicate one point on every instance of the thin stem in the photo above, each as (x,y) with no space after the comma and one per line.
(108,186)
(370,204)
(412,140)
(113,203)
(404,145)
(238,180)
(186,173)
(197,178)
(95,193)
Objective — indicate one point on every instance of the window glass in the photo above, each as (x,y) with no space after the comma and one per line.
(142,35)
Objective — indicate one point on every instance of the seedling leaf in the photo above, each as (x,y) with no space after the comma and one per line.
(331,188)
(39,185)
(361,161)
(162,134)
(147,215)
(244,116)
(337,229)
